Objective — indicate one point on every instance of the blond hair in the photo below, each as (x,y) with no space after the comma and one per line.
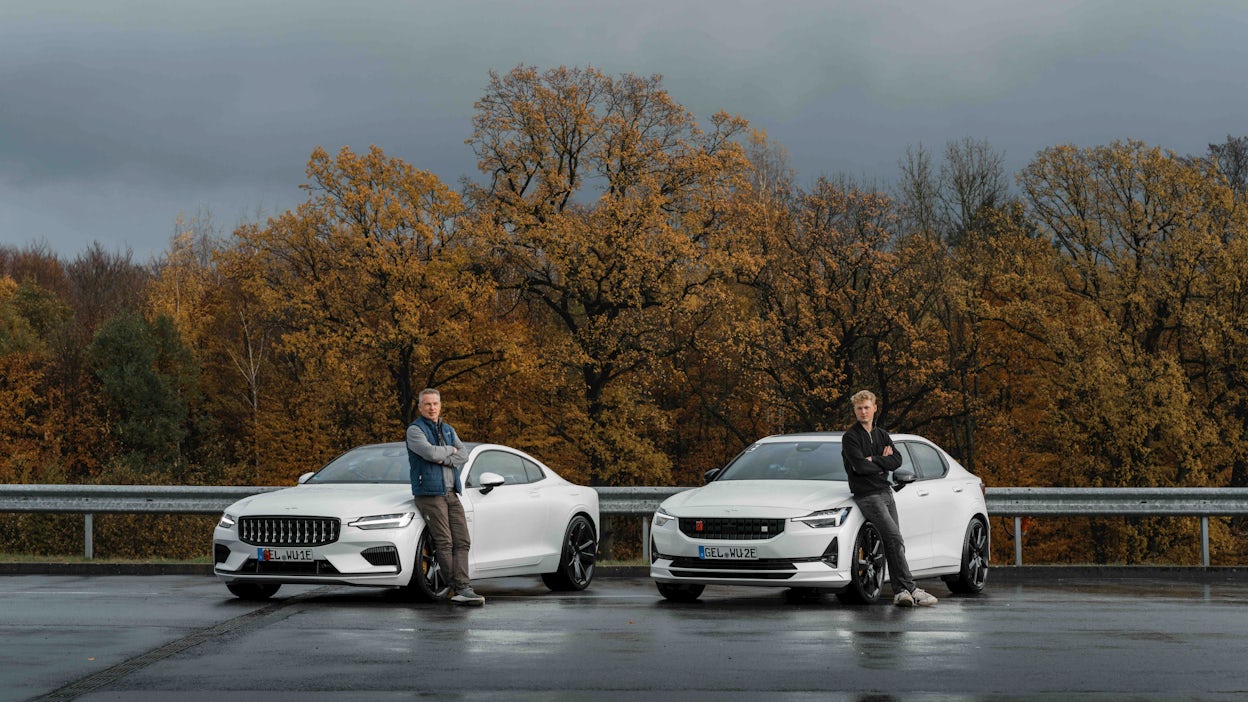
(863,396)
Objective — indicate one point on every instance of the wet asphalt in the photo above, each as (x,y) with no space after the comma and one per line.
(1087,634)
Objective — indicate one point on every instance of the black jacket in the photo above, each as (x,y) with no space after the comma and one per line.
(868,477)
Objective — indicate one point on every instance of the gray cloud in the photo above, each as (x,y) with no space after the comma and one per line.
(116,116)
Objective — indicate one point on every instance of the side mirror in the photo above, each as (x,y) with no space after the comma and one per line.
(903,477)
(709,475)
(489,481)
(304,478)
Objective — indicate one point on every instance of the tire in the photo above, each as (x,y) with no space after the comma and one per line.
(254,592)
(427,577)
(867,563)
(577,558)
(973,573)
(675,592)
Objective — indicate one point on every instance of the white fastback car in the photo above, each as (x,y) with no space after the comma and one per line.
(781,515)
(354,522)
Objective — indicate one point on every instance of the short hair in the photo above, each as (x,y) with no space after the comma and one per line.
(428,391)
(863,396)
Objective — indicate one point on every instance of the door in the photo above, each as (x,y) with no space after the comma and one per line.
(509,524)
(939,499)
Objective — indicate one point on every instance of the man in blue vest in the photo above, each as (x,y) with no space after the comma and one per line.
(436,454)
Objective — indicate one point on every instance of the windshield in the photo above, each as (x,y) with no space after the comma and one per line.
(789,460)
(367,464)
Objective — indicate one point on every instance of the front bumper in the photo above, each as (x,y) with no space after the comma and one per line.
(818,558)
(379,558)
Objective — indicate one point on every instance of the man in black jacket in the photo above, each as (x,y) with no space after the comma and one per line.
(869,457)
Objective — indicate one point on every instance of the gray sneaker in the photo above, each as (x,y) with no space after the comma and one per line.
(922,598)
(466,596)
(903,599)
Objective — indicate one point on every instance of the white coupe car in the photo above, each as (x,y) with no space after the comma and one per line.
(354,522)
(781,515)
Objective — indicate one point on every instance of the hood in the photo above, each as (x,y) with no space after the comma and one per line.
(774,499)
(346,501)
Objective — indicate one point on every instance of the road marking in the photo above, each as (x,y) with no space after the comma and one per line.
(104,677)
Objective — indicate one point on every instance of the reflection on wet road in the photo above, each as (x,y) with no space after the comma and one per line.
(162,637)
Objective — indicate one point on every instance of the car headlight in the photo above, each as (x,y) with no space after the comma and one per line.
(227,521)
(825,518)
(383,521)
(661,518)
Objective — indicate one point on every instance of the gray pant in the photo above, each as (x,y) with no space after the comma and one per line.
(444,516)
(881,510)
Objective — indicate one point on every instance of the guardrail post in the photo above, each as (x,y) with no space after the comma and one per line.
(1018,541)
(1204,541)
(88,529)
(645,540)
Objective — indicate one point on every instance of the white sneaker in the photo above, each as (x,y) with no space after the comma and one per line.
(923,599)
(903,599)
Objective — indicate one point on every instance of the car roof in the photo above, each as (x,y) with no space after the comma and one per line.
(826,436)
(470,445)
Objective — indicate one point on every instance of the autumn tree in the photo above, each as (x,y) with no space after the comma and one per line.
(605,202)
(839,307)
(1146,256)
(28,316)
(368,288)
(952,204)
(1230,158)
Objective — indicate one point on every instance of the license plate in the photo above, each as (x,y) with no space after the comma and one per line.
(738,553)
(285,554)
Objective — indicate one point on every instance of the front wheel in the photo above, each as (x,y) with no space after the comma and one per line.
(427,576)
(868,561)
(254,592)
(577,558)
(973,574)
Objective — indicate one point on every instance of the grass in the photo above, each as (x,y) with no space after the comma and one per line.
(61,558)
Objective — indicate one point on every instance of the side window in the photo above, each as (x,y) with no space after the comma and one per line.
(927,461)
(533,470)
(903,451)
(508,465)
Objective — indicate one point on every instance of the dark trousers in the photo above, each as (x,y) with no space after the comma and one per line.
(881,510)
(444,517)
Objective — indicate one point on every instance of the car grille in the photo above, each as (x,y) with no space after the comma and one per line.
(288,531)
(741,529)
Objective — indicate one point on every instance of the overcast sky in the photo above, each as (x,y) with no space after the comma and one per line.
(116,116)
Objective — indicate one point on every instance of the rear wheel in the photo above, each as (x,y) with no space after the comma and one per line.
(867,575)
(973,574)
(675,592)
(577,558)
(427,576)
(253,591)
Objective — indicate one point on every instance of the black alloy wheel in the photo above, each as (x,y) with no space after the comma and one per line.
(867,562)
(973,574)
(577,559)
(427,576)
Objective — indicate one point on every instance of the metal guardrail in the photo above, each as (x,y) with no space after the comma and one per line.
(642,501)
